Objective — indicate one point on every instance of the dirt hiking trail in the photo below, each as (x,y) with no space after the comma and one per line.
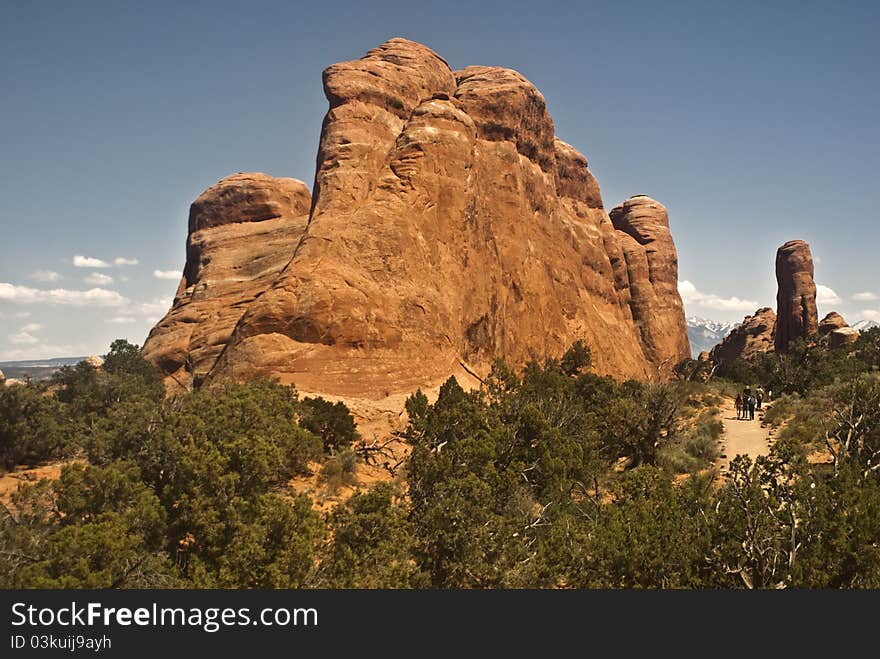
(741,436)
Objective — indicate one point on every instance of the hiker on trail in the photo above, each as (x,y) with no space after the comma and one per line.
(739,406)
(752,402)
(759,394)
(769,395)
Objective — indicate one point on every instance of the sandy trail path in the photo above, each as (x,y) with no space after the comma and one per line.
(741,437)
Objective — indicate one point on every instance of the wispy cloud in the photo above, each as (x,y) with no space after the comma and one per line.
(123,320)
(121,260)
(41,350)
(870,314)
(154,309)
(98,279)
(867,296)
(45,275)
(100,297)
(23,338)
(826,295)
(89,262)
(166,274)
(691,295)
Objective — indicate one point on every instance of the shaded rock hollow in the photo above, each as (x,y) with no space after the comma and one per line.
(449,226)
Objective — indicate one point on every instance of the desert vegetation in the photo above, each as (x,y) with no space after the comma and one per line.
(550,476)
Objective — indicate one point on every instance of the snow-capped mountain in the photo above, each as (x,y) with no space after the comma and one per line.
(863,325)
(705,334)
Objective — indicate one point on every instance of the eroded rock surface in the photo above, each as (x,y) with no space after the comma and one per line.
(796,315)
(242,232)
(831,322)
(754,336)
(652,272)
(842,336)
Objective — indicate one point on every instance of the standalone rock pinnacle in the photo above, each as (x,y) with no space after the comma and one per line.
(796,315)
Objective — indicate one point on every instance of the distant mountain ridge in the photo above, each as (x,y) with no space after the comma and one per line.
(36,369)
(705,334)
(863,325)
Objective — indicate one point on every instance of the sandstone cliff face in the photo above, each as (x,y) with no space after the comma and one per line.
(643,226)
(241,233)
(796,314)
(449,226)
(754,336)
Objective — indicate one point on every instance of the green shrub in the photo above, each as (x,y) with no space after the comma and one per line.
(780,410)
(340,470)
(508,486)
(678,460)
(34,427)
(577,358)
(332,422)
(697,448)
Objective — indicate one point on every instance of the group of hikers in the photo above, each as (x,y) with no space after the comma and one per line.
(747,402)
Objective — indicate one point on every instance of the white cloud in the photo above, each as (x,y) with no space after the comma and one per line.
(166,274)
(98,279)
(121,260)
(123,320)
(826,295)
(17,314)
(870,314)
(690,295)
(155,308)
(23,338)
(100,297)
(867,296)
(45,275)
(89,262)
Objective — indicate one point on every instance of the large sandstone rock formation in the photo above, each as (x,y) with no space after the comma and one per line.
(650,255)
(796,315)
(242,232)
(842,336)
(754,336)
(449,226)
(831,322)
(838,331)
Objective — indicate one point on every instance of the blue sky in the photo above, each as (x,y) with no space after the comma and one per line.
(755,123)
